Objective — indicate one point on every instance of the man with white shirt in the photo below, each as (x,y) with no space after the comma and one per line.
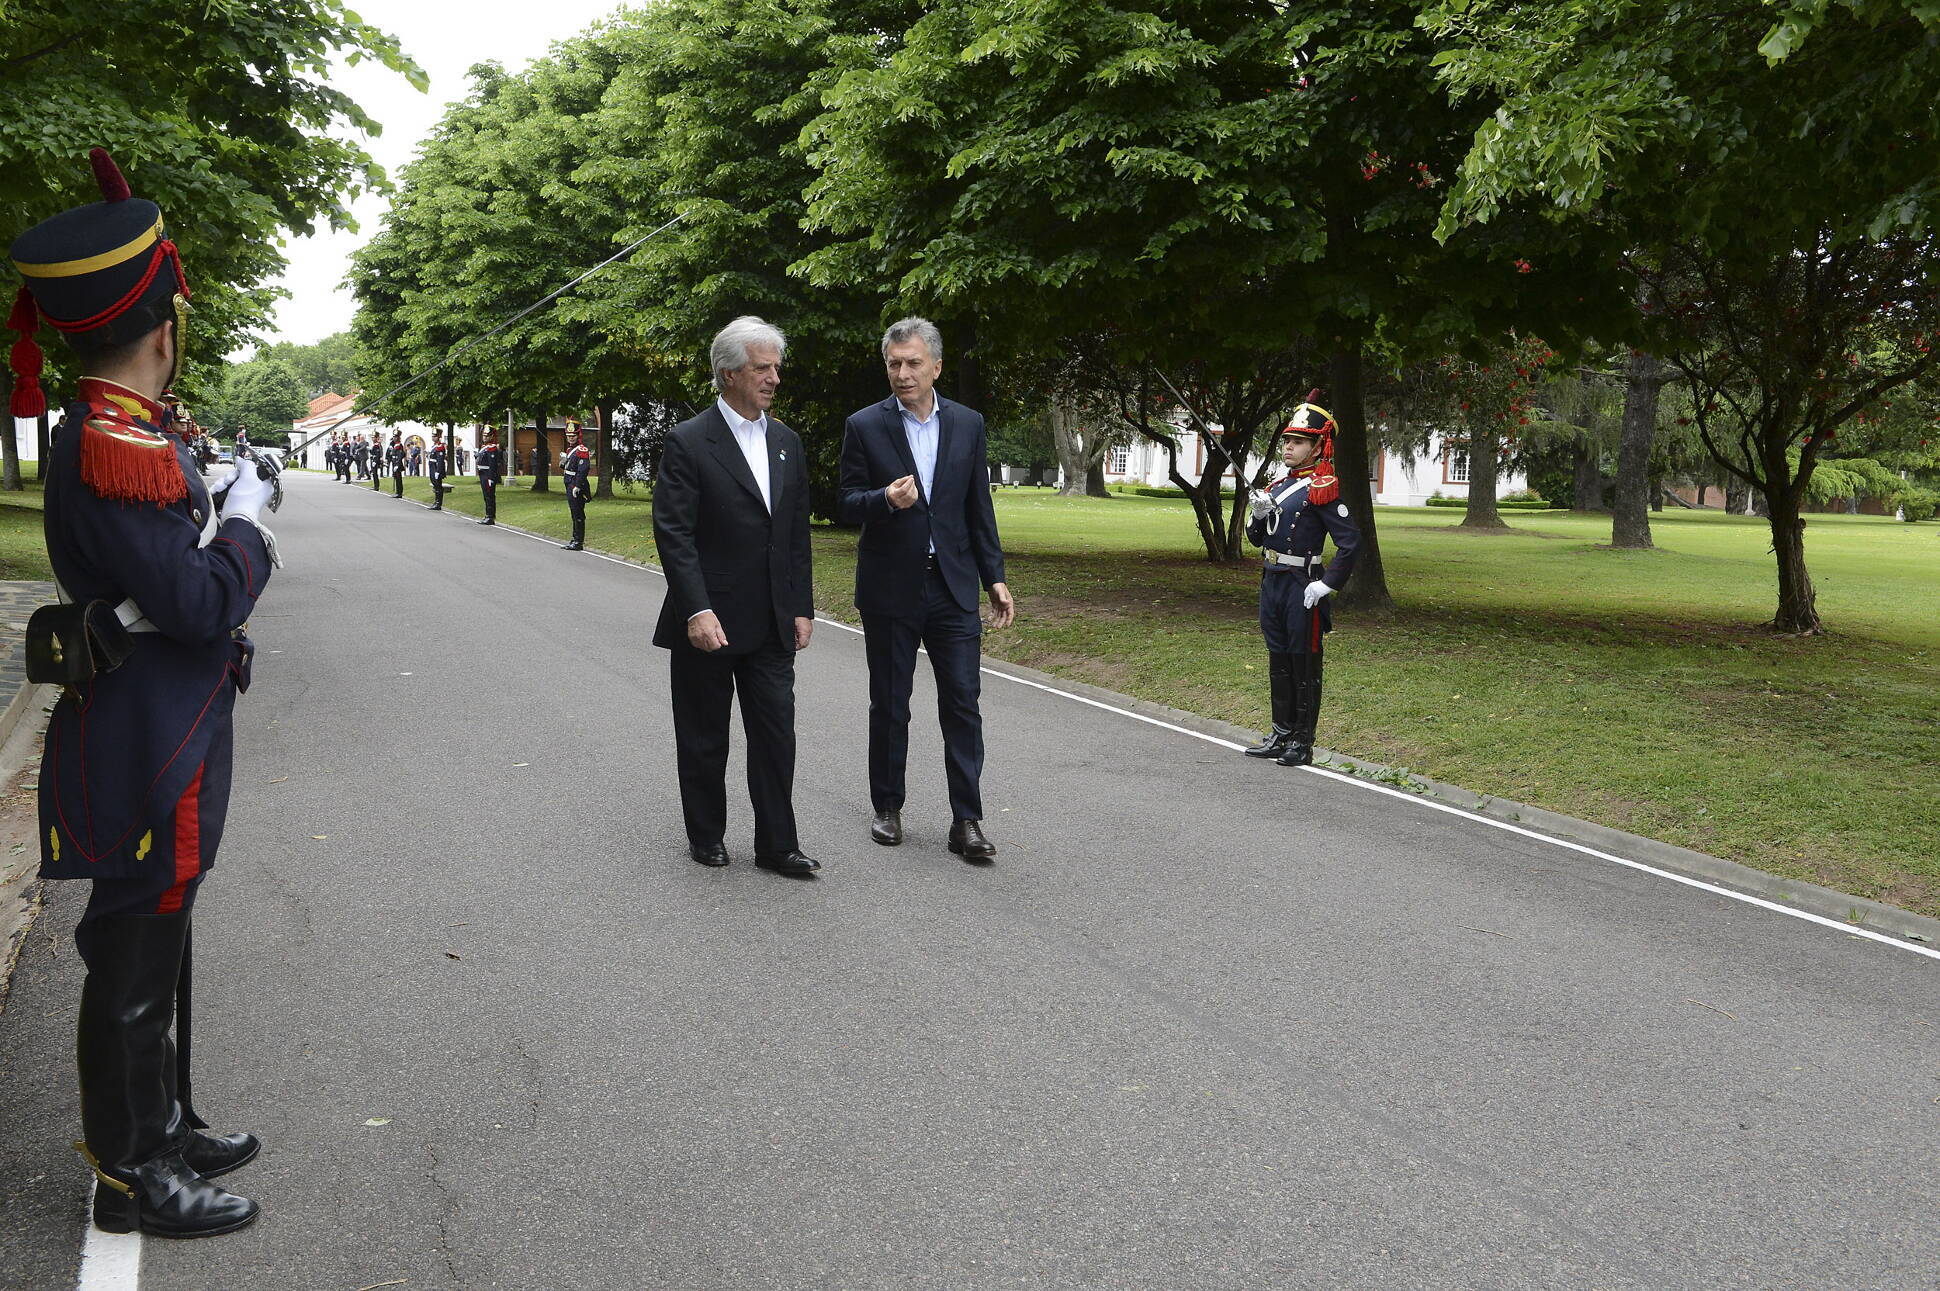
(916,477)
(730,519)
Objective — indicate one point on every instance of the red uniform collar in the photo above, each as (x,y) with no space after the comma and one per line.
(99,392)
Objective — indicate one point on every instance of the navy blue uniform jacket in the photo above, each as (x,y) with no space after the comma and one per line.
(892,556)
(122,748)
(719,547)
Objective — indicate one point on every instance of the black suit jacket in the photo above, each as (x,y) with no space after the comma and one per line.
(720,548)
(893,553)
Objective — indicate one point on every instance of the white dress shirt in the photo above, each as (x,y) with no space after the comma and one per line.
(923,434)
(752,436)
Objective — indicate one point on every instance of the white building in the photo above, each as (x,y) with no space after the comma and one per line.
(1399,481)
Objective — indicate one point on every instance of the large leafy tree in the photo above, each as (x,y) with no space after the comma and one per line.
(328,366)
(1211,183)
(263,395)
(1772,170)
(223,112)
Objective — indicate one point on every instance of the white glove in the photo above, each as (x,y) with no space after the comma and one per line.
(1260,505)
(222,478)
(1317,591)
(247,497)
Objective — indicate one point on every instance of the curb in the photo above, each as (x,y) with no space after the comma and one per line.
(20,886)
(1860,912)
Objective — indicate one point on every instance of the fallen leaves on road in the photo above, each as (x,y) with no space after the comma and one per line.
(279,779)
(378,1120)
(1714,1008)
(1492,932)
(319,837)
(449,955)
(394,1282)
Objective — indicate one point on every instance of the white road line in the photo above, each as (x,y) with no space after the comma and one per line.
(109,1261)
(1851,930)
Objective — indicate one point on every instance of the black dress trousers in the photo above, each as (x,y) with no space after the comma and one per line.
(704,685)
(954,638)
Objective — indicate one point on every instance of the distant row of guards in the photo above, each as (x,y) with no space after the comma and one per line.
(372,458)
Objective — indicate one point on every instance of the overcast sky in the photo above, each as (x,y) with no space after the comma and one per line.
(445,37)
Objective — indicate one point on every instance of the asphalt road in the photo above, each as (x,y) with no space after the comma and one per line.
(1206,1023)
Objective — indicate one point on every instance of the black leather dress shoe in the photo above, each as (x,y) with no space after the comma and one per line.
(165,1198)
(967,841)
(212,1154)
(791,863)
(572,546)
(713,854)
(488,522)
(888,828)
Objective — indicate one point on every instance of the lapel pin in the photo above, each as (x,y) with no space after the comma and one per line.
(783,455)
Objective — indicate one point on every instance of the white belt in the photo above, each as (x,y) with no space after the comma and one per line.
(1286,558)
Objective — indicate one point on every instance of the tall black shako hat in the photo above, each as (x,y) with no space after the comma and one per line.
(105,271)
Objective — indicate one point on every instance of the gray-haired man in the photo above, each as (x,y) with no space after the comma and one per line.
(730,518)
(916,477)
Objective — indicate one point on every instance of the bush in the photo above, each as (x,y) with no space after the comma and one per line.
(1916,503)
(1502,504)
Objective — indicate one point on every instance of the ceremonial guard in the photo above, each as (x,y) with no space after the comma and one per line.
(437,468)
(490,460)
(578,470)
(1291,520)
(344,456)
(155,583)
(397,456)
(376,462)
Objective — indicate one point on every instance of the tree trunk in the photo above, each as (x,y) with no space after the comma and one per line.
(1071,449)
(1630,518)
(1736,497)
(1657,493)
(1367,590)
(1484,463)
(1095,477)
(1586,491)
(604,489)
(43,446)
(541,457)
(1797,602)
(10,456)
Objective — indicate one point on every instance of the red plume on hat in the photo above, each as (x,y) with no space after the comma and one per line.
(114,188)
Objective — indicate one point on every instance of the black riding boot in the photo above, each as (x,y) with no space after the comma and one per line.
(579,534)
(1306,710)
(135,1130)
(1280,679)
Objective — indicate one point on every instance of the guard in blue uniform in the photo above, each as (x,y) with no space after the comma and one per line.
(578,469)
(1291,520)
(437,469)
(490,464)
(134,783)
(397,455)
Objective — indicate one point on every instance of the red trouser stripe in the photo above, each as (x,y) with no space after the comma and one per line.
(188,845)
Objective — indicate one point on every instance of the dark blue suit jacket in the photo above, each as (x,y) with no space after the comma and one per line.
(122,748)
(893,553)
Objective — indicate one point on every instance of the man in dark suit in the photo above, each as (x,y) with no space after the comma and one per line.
(730,518)
(916,477)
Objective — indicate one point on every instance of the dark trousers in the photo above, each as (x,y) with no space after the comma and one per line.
(1287,624)
(576,504)
(437,490)
(488,489)
(953,636)
(703,690)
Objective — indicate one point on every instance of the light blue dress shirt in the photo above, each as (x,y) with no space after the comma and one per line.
(923,433)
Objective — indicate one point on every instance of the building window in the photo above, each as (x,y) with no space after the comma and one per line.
(1455,464)
(1120,462)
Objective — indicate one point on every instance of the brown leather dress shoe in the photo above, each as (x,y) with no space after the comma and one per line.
(888,828)
(967,841)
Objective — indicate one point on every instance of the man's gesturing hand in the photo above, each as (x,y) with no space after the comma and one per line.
(902,493)
(704,632)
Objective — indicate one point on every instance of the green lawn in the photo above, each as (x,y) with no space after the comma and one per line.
(1631,688)
(23,552)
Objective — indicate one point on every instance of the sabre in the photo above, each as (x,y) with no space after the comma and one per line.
(547,299)
(1204,427)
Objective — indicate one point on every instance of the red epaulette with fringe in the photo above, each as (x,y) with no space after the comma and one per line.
(128,462)
(1323,489)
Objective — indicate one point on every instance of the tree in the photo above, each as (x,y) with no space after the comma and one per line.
(1215,183)
(224,113)
(327,367)
(264,395)
(1771,170)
